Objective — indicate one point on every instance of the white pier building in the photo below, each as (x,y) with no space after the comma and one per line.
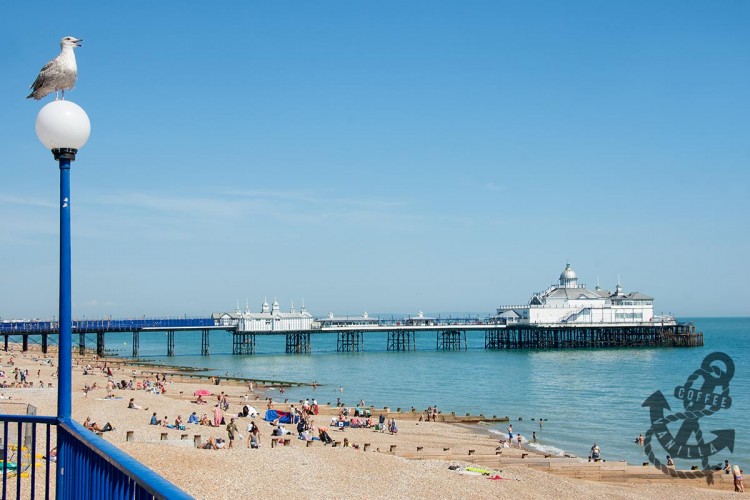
(269,319)
(568,303)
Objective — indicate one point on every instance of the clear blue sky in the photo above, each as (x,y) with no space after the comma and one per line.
(382,156)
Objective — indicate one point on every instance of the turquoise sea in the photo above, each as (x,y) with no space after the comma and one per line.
(585,396)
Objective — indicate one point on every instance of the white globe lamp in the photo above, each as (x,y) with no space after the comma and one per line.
(63,127)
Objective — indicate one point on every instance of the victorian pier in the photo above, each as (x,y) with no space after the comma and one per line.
(449,335)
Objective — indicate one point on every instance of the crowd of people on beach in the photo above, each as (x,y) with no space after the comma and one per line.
(21,378)
(301,418)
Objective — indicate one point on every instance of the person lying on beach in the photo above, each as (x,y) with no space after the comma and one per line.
(280,430)
(201,401)
(93,426)
(213,444)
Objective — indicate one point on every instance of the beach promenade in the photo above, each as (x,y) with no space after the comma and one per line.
(423,459)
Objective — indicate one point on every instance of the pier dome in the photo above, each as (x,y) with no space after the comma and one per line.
(568,278)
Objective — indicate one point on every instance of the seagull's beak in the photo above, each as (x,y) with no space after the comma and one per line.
(78,42)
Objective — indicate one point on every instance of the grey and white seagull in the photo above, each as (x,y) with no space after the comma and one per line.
(60,73)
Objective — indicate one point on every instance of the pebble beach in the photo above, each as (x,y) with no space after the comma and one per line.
(422,460)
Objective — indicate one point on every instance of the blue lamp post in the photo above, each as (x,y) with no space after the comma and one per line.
(63,127)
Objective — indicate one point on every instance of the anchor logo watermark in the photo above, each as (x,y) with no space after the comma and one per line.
(716,370)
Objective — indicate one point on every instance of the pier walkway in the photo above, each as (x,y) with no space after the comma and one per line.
(450,334)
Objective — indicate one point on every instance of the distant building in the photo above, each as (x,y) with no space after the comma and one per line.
(269,319)
(571,303)
(340,321)
(420,320)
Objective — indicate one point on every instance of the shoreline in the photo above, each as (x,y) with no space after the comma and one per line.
(193,375)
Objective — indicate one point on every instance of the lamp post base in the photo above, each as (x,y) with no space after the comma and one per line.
(65,154)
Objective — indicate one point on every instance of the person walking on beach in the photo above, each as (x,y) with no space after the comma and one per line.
(232,432)
(739,486)
(218,417)
(510,434)
(254,435)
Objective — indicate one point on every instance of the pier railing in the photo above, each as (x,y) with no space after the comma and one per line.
(90,468)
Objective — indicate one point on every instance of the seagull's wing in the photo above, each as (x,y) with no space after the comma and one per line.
(42,76)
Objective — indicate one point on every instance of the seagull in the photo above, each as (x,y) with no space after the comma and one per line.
(60,73)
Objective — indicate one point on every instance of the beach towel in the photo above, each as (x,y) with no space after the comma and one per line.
(284,416)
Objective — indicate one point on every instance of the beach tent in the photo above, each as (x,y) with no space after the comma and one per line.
(284,416)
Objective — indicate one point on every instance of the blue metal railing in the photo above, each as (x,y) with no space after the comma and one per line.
(19,458)
(104,325)
(90,468)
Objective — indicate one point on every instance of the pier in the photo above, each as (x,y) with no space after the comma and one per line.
(591,336)
(449,334)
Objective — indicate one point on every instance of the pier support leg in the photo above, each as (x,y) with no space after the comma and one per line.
(298,343)
(100,344)
(81,343)
(204,342)
(451,340)
(243,343)
(44,343)
(170,342)
(136,341)
(25,343)
(350,342)
(6,343)
(402,340)
(493,339)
